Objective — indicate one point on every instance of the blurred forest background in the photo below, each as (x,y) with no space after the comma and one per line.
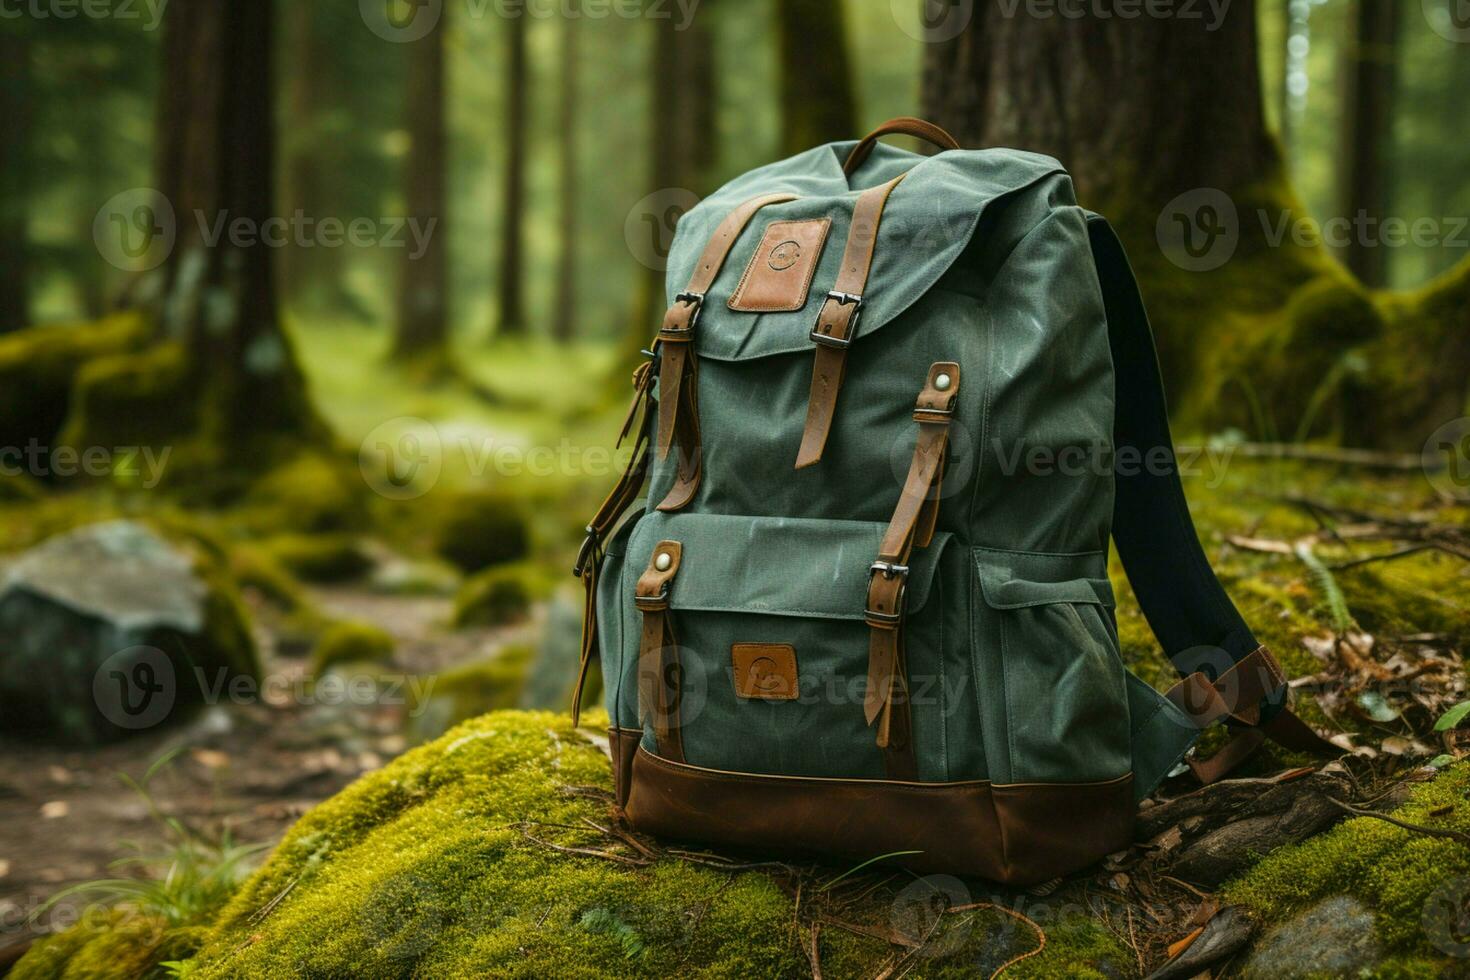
(316,321)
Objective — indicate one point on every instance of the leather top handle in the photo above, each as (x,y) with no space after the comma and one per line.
(902,125)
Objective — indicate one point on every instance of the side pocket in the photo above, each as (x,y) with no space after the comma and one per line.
(619,693)
(1066,705)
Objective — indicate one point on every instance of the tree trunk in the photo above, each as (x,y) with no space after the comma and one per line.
(1140,110)
(682,148)
(312,275)
(424,284)
(816,93)
(564,313)
(15,101)
(1367,139)
(1159,120)
(512,214)
(216,160)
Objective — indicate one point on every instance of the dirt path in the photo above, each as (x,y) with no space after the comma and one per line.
(254,767)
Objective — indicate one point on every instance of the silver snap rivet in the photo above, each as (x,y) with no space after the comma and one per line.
(663,561)
(942,382)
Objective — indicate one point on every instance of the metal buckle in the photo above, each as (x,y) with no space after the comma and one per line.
(589,544)
(695,300)
(655,601)
(888,570)
(840,343)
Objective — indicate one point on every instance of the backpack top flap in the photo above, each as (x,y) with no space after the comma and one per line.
(927,223)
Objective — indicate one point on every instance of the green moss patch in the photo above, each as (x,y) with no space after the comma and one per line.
(499,595)
(115,944)
(351,643)
(470,690)
(319,557)
(477,530)
(1393,871)
(427,868)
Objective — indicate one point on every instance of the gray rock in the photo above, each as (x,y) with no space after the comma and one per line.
(110,629)
(554,667)
(1332,938)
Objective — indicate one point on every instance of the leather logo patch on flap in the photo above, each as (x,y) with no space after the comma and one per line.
(765,670)
(780,272)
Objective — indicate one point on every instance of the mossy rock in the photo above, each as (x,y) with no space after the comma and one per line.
(135,398)
(500,595)
(477,530)
(110,944)
(470,690)
(319,557)
(39,364)
(1414,884)
(312,492)
(424,868)
(113,628)
(351,643)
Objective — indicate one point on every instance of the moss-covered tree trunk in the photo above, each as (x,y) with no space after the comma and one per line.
(216,166)
(422,327)
(512,314)
(1160,121)
(15,62)
(817,103)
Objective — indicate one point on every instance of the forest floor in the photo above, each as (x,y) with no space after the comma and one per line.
(1355,571)
(66,815)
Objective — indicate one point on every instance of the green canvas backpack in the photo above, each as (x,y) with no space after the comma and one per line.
(896,411)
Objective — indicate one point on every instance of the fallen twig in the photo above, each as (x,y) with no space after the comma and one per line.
(1445,832)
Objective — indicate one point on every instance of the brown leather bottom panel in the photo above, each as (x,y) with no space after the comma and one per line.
(1019,834)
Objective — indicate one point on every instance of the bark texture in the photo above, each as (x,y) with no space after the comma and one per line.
(1367,138)
(422,325)
(15,61)
(817,103)
(512,211)
(216,162)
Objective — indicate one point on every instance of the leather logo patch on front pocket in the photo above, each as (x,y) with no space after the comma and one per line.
(765,670)
(780,272)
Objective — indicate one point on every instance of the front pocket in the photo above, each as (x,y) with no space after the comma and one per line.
(784,598)
(1063,685)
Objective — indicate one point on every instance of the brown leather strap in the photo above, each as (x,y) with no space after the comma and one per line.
(678,378)
(589,559)
(658,653)
(1236,695)
(902,125)
(886,699)
(837,321)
